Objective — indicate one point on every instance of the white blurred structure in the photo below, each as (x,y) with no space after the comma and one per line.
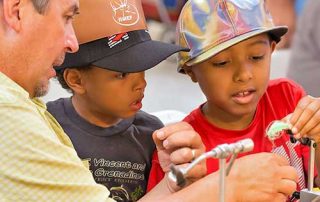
(280,63)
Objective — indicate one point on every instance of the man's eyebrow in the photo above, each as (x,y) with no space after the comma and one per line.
(75,9)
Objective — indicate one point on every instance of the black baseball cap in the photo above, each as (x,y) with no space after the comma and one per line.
(113,35)
(127,52)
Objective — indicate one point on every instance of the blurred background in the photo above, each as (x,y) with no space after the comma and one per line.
(171,95)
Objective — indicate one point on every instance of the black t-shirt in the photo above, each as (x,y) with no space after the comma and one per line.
(119,156)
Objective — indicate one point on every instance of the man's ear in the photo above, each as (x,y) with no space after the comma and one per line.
(11,13)
(188,70)
(74,80)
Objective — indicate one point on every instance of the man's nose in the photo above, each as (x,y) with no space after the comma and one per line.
(71,42)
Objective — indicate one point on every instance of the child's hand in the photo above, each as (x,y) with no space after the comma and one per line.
(305,119)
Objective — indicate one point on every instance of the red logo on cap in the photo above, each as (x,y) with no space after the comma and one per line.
(116,39)
(124,12)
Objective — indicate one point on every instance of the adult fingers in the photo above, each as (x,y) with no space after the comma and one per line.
(279,160)
(286,187)
(161,135)
(185,154)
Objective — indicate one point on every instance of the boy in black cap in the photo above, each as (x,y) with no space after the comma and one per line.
(106,77)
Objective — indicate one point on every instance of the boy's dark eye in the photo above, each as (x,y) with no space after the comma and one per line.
(256,58)
(122,75)
(219,64)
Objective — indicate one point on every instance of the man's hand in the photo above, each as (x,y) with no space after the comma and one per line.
(179,144)
(261,177)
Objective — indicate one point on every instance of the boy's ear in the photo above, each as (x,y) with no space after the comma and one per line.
(188,70)
(273,46)
(74,80)
(11,13)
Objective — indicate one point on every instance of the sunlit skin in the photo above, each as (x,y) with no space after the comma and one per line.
(234,80)
(104,97)
(46,37)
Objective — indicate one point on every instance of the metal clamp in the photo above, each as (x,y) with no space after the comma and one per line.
(221,152)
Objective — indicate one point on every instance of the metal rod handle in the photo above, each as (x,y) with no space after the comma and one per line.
(222,179)
(311,165)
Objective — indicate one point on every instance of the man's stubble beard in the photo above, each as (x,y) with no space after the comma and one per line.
(41,89)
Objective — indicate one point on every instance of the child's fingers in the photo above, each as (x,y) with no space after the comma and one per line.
(303,112)
(302,104)
(287,118)
(306,116)
(315,133)
(311,124)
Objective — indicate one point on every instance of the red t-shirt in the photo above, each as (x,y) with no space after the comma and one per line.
(280,99)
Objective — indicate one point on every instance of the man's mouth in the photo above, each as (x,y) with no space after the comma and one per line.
(59,61)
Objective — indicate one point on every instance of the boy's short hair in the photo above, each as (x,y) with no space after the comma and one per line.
(63,82)
(208,27)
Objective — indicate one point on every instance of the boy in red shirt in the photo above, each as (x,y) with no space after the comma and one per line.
(231,43)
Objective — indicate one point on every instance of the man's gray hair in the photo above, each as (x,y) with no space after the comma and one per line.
(40,5)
